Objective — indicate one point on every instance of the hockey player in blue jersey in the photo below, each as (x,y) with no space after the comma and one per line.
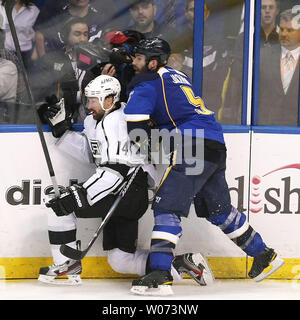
(165,97)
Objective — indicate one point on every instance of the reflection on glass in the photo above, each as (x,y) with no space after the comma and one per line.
(50,64)
(269,34)
(54,68)
(13,95)
(228,78)
(222,23)
(279,74)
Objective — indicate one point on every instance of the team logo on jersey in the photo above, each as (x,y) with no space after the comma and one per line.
(130,94)
(157,199)
(96,148)
(58,66)
(93,28)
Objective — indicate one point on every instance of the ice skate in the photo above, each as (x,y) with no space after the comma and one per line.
(155,283)
(71,268)
(196,266)
(265,264)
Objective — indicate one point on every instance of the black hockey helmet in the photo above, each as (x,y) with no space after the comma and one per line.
(133,35)
(154,48)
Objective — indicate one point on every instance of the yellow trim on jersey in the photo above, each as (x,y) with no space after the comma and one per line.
(165,99)
(137,120)
(166,236)
(136,117)
(165,176)
(168,170)
(164,240)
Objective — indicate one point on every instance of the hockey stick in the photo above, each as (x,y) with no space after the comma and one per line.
(79,255)
(9,5)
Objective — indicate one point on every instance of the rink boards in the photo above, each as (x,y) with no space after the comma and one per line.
(263,173)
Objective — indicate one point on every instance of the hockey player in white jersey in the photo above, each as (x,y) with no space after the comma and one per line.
(105,138)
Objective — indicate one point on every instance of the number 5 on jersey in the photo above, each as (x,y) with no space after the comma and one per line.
(197,102)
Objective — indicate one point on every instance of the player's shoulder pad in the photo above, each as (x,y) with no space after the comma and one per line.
(89,120)
(114,118)
(142,77)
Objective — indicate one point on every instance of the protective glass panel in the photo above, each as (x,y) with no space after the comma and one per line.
(15,106)
(59,61)
(222,54)
(223,59)
(279,63)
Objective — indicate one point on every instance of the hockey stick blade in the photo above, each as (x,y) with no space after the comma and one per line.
(76,254)
(9,5)
(71,252)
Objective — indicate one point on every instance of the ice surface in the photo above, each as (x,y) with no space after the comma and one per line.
(118,289)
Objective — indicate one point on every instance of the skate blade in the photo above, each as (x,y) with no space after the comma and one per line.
(207,278)
(73,280)
(163,290)
(274,266)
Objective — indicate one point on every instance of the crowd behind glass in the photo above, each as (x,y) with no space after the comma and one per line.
(47,41)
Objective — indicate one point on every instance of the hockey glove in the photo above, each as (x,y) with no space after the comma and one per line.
(73,198)
(55,114)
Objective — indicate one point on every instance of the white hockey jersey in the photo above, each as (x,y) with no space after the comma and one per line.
(104,142)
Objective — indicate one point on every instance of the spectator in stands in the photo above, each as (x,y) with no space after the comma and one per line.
(8,81)
(48,10)
(185,41)
(39,3)
(11,56)
(59,74)
(231,110)
(143,14)
(118,64)
(269,30)
(8,89)
(8,77)
(24,15)
(288,4)
(47,29)
(279,76)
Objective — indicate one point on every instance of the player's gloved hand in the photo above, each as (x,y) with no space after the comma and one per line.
(55,114)
(52,108)
(71,199)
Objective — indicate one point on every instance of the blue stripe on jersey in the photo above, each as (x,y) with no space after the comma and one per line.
(172,104)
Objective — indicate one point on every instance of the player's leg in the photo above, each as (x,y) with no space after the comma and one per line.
(62,230)
(121,232)
(196,266)
(172,201)
(235,224)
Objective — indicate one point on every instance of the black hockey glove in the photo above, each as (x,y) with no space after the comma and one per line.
(55,114)
(72,198)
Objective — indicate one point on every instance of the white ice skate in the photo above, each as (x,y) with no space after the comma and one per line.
(196,266)
(71,268)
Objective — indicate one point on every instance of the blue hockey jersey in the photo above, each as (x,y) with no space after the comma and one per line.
(167,98)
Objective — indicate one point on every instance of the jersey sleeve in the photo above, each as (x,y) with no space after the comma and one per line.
(141,103)
(75,144)
(102,183)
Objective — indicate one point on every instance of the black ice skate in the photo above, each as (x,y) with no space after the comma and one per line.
(71,268)
(264,265)
(196,266)
(155,283)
